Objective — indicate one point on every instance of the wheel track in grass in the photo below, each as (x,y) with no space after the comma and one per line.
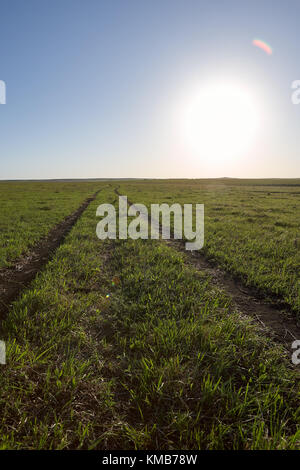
(15,278)
(276,318)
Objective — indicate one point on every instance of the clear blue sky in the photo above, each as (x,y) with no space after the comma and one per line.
(94,88)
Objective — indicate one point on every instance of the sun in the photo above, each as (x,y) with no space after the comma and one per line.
(221,121)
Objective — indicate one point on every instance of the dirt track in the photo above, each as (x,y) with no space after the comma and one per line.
(277,319)
(280,323)
(14,279)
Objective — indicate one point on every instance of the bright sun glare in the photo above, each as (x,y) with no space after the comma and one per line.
(221,121)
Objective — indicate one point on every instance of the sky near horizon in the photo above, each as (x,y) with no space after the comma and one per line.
(101,89)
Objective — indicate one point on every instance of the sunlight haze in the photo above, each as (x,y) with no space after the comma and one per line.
(149,89)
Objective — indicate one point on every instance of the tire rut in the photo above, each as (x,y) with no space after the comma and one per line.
(15,278)
(277,319)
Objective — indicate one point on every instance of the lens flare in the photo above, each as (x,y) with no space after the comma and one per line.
(262,45)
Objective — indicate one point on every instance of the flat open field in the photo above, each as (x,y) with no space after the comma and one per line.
(30,210)
(136,344)
(252,227)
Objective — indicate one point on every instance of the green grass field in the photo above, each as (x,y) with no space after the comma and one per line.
(30,210)
(120,344)
(252,227)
